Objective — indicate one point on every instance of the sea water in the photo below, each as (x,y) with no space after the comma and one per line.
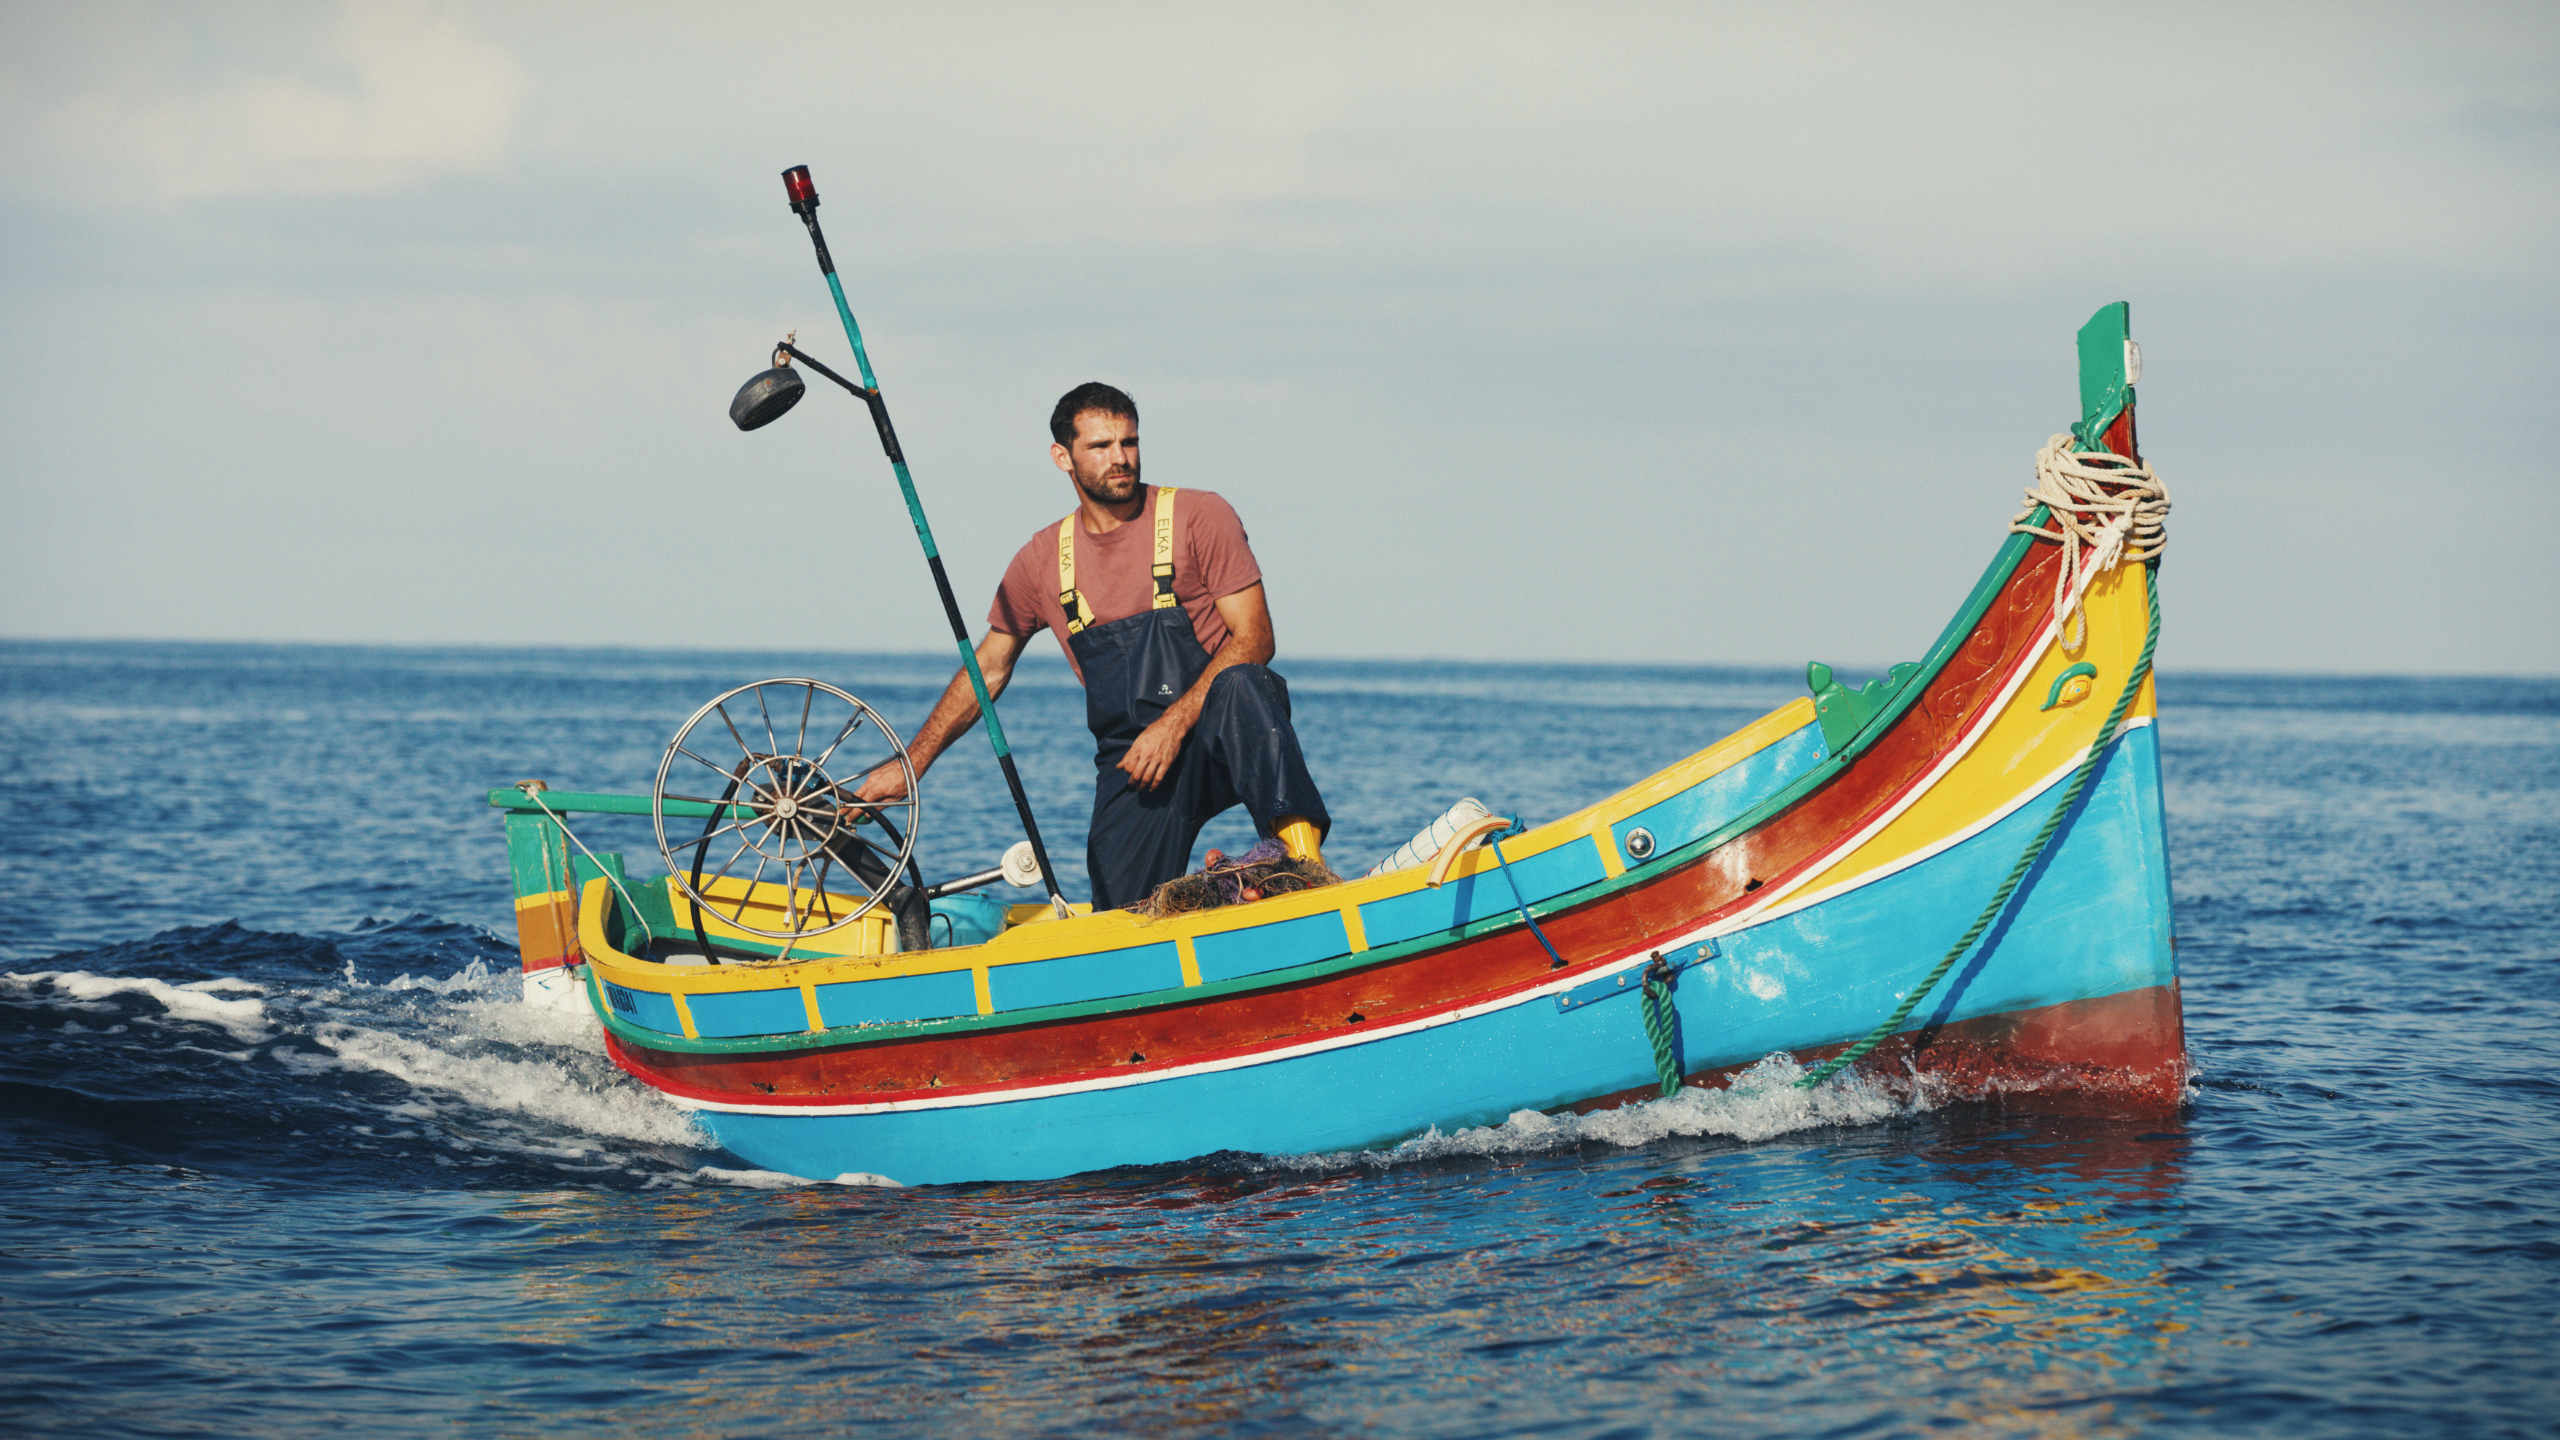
(284,1155)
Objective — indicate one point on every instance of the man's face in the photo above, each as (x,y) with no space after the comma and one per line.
(1103,461)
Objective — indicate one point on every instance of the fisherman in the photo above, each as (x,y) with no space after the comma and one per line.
(1155,597)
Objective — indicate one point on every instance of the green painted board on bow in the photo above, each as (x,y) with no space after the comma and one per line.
(2106,387)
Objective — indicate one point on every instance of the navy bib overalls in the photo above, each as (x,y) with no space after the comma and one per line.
(1243,751)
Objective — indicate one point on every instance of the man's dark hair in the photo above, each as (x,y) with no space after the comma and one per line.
(1091,395)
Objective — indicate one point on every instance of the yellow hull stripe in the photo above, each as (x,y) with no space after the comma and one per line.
(2007,755)
(2020,747)
(1034,936)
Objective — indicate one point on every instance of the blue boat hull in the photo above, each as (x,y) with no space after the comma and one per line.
(2091,923)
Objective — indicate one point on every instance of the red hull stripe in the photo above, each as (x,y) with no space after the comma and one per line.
(983,1065)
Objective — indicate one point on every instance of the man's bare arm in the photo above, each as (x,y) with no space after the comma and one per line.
(952,716)
(1248,617)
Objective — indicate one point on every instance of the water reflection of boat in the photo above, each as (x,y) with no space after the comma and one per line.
(1997,1269)
(1787,889)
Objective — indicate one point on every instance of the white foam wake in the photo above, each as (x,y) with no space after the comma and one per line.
(475,978)
(1763,1102)
(245,1019)
(768,1179)
(460,1043)
(543,1089)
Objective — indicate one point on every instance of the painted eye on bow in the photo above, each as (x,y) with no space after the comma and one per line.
(2071,686)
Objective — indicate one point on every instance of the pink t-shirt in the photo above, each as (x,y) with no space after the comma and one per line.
(1211,561)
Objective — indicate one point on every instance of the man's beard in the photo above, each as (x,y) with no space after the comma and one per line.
(1109,489)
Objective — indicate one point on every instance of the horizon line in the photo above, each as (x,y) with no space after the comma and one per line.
(1042,657)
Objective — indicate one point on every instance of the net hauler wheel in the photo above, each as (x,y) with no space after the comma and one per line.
(778,820)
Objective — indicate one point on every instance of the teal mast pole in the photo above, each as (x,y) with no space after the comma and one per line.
(804,203)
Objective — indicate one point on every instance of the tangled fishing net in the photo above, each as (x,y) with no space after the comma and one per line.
(1257,874)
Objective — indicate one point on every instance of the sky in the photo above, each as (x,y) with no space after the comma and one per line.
(1687,334)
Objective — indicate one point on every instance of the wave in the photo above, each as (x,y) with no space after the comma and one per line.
(245,1020)
(1763,1102)
(398,1052)
(401,1052)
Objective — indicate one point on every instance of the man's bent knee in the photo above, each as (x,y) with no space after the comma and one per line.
(1258,681)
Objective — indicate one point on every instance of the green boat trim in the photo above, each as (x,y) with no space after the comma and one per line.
(1976,605)
(2104,395)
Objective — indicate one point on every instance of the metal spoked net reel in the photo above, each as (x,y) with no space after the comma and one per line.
(782,840)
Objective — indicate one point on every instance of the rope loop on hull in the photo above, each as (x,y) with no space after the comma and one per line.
(1662,1024)
(2105,509)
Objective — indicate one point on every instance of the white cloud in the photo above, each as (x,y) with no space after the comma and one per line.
(158,104)
(1971,147)
(1734,243)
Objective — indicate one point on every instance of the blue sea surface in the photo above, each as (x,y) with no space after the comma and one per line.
(284,1156)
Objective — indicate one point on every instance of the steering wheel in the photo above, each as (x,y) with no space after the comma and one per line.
(781,806)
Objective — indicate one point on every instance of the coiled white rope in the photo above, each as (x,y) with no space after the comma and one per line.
(2127,510)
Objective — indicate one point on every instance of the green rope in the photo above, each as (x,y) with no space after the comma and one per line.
(1661,1025)
(2026,862)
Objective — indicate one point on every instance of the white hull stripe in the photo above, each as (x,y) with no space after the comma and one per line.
(1338,1042)
(1964,746)
(1767,909)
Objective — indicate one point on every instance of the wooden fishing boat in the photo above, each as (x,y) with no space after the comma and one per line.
(1788,888)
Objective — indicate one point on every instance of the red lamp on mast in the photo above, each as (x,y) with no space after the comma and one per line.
(802,190)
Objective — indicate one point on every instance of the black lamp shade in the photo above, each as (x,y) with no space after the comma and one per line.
(762,400)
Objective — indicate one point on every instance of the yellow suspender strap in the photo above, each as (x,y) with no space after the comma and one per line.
(1078,615)
(1164,551)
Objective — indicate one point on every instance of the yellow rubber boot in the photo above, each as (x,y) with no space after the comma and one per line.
(1298,836)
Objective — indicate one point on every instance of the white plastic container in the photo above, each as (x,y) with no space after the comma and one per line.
(1426,842)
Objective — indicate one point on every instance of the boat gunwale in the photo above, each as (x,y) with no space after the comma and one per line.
(639,1057)
(652,1063)
(1993,581)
